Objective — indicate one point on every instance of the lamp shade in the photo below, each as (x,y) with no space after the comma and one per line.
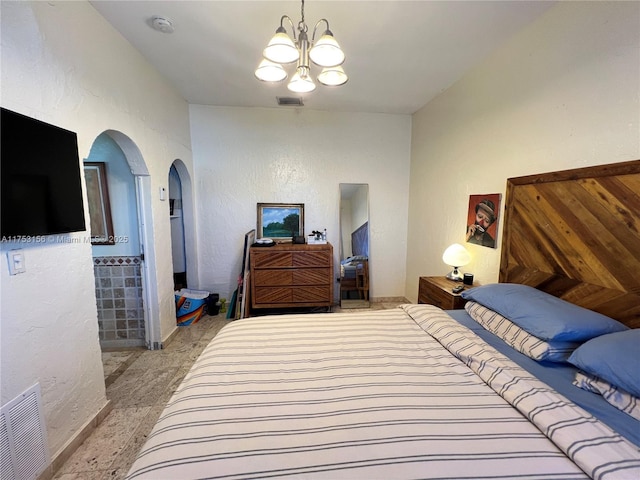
(456,255)
(333,76)
(326,52)
(281,49)
(301,82)
(270,72)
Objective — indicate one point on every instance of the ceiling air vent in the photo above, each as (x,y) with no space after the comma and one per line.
(290,101)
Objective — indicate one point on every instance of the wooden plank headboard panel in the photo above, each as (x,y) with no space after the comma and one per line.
(576,234)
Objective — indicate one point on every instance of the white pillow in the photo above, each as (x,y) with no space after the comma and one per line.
(615,396)
(521,340)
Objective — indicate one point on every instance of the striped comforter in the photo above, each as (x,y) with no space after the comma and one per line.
(403,393)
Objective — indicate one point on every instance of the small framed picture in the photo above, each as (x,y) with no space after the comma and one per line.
(280,221)
(482,219)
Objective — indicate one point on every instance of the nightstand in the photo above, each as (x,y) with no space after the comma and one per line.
(437,291)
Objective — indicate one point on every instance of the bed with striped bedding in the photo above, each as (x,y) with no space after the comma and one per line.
(402,393)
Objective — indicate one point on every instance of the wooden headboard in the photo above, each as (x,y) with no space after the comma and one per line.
(576,235)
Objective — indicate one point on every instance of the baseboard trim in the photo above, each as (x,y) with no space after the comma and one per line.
(170,338)
(72,445)
(389,300)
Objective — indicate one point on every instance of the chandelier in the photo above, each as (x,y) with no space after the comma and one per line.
(282,50)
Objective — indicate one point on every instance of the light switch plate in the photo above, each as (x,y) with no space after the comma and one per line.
(15,259)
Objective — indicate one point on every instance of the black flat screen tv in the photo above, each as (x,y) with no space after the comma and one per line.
(41,185)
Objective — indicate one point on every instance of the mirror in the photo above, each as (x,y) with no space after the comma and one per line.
(354,245)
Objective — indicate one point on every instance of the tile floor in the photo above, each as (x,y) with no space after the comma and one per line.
(139,384)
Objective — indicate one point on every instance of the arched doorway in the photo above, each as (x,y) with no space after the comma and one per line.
(178,254)
(126,287)
(183,241)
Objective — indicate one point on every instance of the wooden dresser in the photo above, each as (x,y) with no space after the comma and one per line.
(291,275)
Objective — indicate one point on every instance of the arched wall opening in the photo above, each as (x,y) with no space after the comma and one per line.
(125,271)
(188,221)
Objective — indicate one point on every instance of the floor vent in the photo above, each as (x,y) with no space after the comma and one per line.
(290,101)
(23,437)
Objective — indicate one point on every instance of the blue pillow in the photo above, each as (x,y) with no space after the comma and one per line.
(612,357)
(541,314)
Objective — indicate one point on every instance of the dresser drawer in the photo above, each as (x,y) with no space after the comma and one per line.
(267,258)
(273,277)
(311,294)
(269,297)
(276,277)
(312,259)
(446,303)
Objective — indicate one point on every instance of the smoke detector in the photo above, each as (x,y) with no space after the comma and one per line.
(162,24)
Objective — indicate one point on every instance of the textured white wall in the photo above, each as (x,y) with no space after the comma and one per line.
(243,156)
(64,64)
(563,93)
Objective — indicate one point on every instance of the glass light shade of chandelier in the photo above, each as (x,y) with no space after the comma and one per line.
(301,82)
(282,50)
(333,76)
(268,71)
(326,52)
(456,256)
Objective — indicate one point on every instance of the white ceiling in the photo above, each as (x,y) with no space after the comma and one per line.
(400,54)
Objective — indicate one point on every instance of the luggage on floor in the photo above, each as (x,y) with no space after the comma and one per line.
(190,305)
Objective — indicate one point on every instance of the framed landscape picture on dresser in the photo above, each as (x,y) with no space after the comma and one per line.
(280,221)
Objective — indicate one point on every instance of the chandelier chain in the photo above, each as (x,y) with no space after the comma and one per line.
(302,26)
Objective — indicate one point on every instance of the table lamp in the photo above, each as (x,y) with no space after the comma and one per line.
(456,256)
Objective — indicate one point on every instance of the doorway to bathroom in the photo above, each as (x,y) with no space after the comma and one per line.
(178,253)
(116,246)
(119,210)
